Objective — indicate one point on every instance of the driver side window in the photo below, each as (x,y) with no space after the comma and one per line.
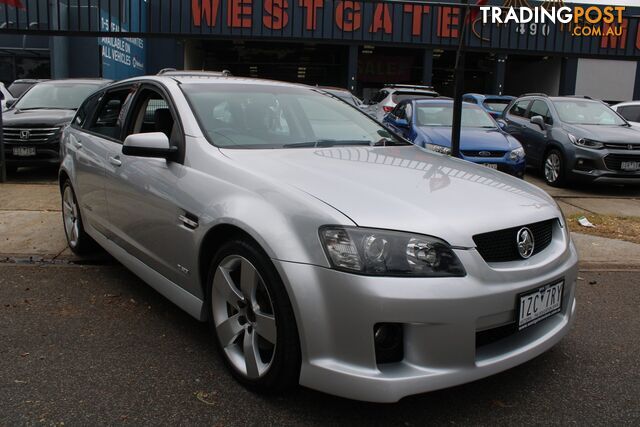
(151,113)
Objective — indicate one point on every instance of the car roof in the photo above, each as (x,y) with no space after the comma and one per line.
(82,81)
(212,79)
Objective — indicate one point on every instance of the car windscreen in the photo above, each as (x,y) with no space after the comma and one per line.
(18,88)
(57,96)
(264,116)
(442,115)
(585,112)
(398,97)
(497,105)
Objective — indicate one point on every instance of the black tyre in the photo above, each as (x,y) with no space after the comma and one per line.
(77,239)
(553,168)
(251,318)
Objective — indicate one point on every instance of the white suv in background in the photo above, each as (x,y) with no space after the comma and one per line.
(390,95)
(630,111)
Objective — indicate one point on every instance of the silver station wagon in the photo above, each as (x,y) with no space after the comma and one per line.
(321,248)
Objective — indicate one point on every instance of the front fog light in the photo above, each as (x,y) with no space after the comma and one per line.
(388,253)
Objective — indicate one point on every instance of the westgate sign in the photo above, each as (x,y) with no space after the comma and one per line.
(411,23)
(436,24)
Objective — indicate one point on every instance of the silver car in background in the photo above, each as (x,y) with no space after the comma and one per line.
(391,95)
(321,249)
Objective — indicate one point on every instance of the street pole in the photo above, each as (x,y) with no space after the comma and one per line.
(3,163)
(459,83)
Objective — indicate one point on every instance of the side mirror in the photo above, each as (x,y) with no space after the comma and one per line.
(538,120)
(501,123)
(10,103)
(152,144)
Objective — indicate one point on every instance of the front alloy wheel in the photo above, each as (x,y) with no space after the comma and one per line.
(554,168)
(251,316)
(243,316)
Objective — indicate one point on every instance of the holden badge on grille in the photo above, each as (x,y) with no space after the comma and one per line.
(524,238)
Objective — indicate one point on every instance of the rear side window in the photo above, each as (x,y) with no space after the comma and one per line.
(379,96)
(109,119)
(630,112)
(540,108)
(520,108)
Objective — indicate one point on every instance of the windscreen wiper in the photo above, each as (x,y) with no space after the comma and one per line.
(326,143)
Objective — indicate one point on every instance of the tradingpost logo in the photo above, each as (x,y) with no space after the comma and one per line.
(584,21)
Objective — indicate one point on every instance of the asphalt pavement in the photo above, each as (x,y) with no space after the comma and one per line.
(86,345)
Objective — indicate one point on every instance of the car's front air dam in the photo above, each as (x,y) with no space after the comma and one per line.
(336,313)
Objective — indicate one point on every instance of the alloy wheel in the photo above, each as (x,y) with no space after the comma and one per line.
(244,317)
(552,167)
(70,216)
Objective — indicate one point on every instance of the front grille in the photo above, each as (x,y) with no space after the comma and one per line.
(614,161)
(476,153)
(501,245)
(622,146)
(14,135)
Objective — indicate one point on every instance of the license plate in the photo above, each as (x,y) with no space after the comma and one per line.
(537,305)
(24,151)
(630,166)
(490,165)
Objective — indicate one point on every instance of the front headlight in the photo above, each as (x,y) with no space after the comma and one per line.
(389,253)
(438,148)
(517,154)
(585,142)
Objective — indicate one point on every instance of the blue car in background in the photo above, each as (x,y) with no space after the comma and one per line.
(427,123)
(492,104)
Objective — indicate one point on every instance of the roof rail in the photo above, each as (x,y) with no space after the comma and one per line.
(535,94)
(409,86)
(579,96)
(174,72)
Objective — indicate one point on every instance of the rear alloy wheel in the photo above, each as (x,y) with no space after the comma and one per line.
(77,239)
(553,168)
(252,319)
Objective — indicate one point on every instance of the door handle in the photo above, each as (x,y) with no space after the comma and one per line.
(115,161)
(77,145)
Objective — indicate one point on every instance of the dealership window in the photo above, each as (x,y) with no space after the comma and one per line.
(520,108)
(540,108)
(630,112)
(108,120)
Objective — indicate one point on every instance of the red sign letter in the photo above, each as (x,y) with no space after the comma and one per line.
(239,13)
(612,34)
(277,16)
(381,19)
(348,16)
(416,12)
(448,20)
(209,10)
(311,6)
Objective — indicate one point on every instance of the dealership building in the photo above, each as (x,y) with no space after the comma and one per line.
(356,44)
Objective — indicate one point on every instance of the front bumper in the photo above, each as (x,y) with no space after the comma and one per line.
(46,154)
(604,166)
(336,313)
(515,168)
